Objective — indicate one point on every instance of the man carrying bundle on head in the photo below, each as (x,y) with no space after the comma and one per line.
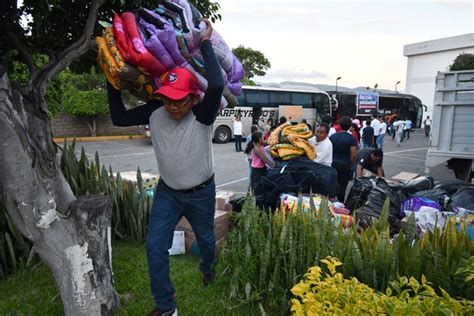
(181,130)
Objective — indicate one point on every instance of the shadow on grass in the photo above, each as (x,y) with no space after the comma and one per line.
(33,291)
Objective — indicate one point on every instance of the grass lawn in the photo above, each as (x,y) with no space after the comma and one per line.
(33,291)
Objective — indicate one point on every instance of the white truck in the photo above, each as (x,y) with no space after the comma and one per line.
(452,135)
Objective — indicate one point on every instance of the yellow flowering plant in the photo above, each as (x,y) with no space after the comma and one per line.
(330,293)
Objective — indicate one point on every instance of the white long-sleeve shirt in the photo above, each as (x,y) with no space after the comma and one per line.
(323,150)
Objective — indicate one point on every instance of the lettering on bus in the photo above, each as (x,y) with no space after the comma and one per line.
(245,113)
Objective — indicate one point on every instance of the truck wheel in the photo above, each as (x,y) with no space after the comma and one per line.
(222,134)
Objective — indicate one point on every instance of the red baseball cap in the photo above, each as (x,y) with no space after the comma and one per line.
(179,82)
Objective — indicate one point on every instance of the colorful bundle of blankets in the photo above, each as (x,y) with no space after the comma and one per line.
(141,47)
(288,141)
(291,204)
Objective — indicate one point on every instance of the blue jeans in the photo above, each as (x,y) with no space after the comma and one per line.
(238,142)
(168,207)
(380,141)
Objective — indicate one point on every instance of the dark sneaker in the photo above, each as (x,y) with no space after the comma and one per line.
(208,278)
(157,312)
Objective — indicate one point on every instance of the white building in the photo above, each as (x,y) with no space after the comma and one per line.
(425,59)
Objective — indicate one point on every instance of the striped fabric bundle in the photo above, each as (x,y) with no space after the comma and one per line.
(288,141)
(142,46)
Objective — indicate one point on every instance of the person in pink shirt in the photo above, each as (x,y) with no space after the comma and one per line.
(259,159)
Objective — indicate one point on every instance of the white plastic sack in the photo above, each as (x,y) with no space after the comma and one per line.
(178,244)
(427,218)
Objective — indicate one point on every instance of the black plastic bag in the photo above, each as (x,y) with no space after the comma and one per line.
(376,200)
(237,204)
(463,198)
(359,192)
(366,217)
(416,185)
(452,187)
(299,175)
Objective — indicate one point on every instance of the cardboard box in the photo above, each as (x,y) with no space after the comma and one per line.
(221,228)
(149,180)
(223,198)
(404,176)
(189,244)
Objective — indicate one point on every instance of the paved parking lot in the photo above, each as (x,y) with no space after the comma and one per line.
(232,169)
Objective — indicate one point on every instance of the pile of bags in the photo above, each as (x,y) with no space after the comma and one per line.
(431,203)
(142,46)
(289,141)
(295,176)
(290,203)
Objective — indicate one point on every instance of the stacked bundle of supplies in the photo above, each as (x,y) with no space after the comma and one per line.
(139,48)
(289,141)
(290,203)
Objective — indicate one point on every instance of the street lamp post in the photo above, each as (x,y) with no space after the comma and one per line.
(337,79)
(396,84)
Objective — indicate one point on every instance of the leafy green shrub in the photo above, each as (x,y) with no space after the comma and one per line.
(331,293)
(85,95)
(132,205)
(463,61)
(266,254)
(15,251)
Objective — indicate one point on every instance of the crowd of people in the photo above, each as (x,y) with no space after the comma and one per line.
(347,145)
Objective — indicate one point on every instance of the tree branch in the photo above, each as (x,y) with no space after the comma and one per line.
(24,54)
(75,50)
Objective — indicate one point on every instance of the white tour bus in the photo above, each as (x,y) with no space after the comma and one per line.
(266,103)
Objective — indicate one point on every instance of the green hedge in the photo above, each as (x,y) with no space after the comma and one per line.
(267,254)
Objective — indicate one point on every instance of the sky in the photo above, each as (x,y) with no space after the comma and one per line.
(316,41)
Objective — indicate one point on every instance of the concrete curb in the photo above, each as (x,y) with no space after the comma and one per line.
(97,138)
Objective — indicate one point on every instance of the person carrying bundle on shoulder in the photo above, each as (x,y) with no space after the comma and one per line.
(181,130)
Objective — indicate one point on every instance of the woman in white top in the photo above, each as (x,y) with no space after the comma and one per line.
(399,125)
(238,133)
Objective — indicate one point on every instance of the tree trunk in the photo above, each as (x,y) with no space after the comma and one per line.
(73,237)
(93,126)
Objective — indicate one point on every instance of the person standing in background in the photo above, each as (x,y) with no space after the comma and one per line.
(376,126)
(407,128)
(322,145)
(259,160)
(303,121)
(368,136)
(344,149)
(354,130)
(427,122)
(238,133)
(249,147)
(282,120)
(399,125)
(327,119)
(383,131)
(268,127)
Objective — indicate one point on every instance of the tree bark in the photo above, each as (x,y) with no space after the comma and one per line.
(92,125)
(73,237)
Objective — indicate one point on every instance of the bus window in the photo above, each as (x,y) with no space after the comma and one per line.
(301,99)
(241,99)
(251,98)
(278,98)
(263,98)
